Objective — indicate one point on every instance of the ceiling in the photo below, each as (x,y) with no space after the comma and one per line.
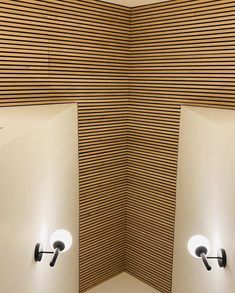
(134,3)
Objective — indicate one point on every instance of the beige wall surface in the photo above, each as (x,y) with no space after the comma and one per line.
(205,198)
(123,283)
(39,193)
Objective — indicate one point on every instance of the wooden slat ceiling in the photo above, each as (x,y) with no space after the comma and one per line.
(182,52)
(77,51)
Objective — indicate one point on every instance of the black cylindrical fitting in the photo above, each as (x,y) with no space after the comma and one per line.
(56,254)
(204,259)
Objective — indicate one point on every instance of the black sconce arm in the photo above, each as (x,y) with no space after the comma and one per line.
(204,259)
(58,246)
(201,251)
(56,254)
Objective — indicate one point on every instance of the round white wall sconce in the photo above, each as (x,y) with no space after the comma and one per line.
(60,241)
(198,241)
(63,236)
(199,247)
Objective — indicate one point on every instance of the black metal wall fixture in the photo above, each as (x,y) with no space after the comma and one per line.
(60,241)
(199,247)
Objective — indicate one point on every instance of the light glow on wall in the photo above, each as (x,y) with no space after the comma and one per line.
(63,236)
(197,241)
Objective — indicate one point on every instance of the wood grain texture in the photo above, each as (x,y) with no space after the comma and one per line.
(77,51)
(182,53)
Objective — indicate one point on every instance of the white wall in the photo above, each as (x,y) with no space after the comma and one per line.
(205,202)
(39,193)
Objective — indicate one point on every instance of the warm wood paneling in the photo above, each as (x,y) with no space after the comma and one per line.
(77,51)
(182,52)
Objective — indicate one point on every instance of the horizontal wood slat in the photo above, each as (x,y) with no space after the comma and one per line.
(55,51)
(182,53)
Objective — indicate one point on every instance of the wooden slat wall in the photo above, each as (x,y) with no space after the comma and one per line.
(77,51)
(182,52)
